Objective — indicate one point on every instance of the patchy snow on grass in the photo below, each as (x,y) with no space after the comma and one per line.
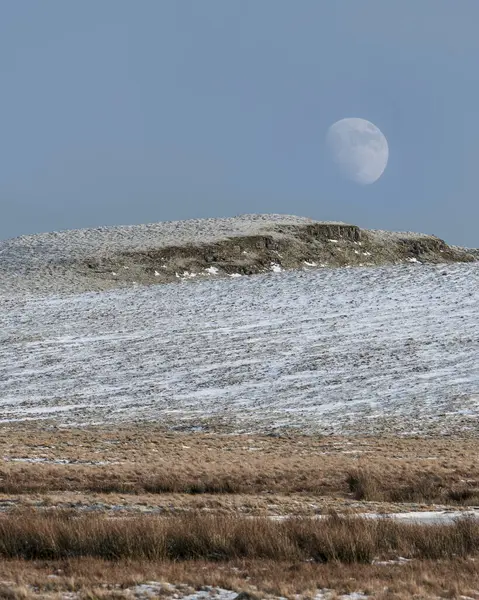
(153,589)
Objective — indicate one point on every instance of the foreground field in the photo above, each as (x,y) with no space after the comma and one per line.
(143,512)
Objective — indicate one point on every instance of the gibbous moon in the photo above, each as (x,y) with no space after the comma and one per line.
(359,149)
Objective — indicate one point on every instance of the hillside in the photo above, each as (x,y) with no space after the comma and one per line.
(368,350)
(109,257)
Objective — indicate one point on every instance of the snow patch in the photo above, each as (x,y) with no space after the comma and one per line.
(154,589)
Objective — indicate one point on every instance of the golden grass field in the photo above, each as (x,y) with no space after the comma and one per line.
(92,512)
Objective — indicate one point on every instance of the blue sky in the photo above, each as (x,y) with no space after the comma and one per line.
(118,112)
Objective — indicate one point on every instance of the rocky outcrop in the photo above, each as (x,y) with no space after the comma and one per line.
(280,247)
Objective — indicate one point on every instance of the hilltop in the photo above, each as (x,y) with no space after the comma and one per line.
(108,257)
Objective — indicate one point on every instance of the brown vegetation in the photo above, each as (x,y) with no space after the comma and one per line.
(427,488)
(142,460)
(56,536)
(92,578)
(361,484)
(206,483)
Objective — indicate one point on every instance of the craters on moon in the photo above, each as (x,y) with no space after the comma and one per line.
(359,149)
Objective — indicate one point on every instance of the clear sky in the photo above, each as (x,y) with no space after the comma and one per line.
(133,111)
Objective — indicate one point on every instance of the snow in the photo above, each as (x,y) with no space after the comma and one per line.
(331,350)
(153,589)
(432,517)
(58,461)
(398,561)
(438,517)
(327,594)
(212,270)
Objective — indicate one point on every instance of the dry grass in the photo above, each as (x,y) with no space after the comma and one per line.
(55,536)
(92,578)
(206,482)
(360,484)
(428,488)
(148,460)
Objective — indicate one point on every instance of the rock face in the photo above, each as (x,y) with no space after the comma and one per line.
(104,258)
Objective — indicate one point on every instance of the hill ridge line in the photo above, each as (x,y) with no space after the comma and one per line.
(96,259)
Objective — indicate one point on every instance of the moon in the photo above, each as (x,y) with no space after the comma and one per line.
(359,149)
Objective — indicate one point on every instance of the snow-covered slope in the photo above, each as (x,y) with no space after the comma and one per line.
(348,350)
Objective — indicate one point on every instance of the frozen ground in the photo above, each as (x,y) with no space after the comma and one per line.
(357,350)
(430,517)
(159,589)
(155,589)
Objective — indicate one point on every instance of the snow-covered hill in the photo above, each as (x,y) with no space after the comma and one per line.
(348,350)
(117,257)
